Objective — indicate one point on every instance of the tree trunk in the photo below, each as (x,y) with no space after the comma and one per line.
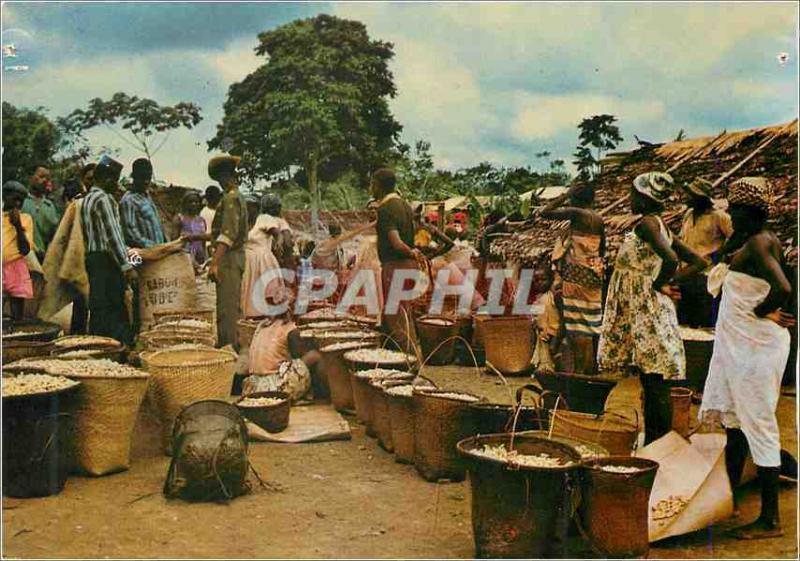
(313,187)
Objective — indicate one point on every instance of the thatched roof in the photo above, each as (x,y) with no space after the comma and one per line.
(767,151)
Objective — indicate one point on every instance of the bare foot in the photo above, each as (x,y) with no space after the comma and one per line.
(757,530)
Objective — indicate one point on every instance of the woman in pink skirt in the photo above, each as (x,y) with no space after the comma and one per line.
(17,243)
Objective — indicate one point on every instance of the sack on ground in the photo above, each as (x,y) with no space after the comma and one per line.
(209,453)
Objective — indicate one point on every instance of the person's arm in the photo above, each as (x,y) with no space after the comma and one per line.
(228,231)
(554,211)
(444,239)
(686,254)
(725,224)
(649,230)
(23,245)
(109,216)
(769,268)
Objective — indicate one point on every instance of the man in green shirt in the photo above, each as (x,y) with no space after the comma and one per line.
(44,213)
(229,233)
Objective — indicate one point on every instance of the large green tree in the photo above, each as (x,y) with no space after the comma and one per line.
(320,102)
(30,139)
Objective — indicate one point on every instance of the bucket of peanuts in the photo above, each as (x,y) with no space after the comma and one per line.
(268,410)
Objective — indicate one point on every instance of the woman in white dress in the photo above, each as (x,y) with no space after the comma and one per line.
(751,347)
(268,241)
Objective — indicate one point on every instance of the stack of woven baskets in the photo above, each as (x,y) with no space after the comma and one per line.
(176,329)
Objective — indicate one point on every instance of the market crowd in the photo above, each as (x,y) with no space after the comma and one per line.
(722,270)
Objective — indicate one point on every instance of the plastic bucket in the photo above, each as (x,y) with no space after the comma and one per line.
(37,442)
(520,512)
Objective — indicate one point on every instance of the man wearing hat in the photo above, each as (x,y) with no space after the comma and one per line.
(107,264)
(141,224)
(704,229)
(229,232)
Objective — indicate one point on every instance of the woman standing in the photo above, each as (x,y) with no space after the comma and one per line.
(269,240)
(17,244)
(192,227)
(751,347)
(640,326)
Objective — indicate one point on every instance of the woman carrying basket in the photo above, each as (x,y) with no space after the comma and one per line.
(640,326)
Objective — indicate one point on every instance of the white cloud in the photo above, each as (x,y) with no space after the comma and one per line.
(543,116)
(237,60)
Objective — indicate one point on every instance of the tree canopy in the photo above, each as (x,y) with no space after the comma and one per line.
(30,139)
(320,102)
(147,122)
(598,132)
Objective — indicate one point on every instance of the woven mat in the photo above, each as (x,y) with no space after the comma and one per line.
(311,423)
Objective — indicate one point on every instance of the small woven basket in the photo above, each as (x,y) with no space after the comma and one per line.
(508,344)
(436,336)
(158,340)
(166,316)
(181,376)
(105,417)
(271,418)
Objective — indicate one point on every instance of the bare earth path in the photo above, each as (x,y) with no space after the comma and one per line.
(338,499)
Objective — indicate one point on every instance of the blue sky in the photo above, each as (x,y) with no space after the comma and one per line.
(480,81)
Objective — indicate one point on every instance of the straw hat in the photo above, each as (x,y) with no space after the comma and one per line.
(218,164)
(751,191)
(700,187)
(655,185)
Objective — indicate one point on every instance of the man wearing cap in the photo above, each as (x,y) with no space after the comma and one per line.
(704,230)
(229,232)
(42,210)
(141,224)
(107,264)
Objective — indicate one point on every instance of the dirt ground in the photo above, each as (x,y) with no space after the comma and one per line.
(345,499)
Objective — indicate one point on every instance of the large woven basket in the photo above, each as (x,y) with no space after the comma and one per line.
(165,316)
(30,330)
(17,350)
(185,375)
(436,336)
(104,420)
(507,342)
(439,424)
(174,328)
(338,375)
(615,433)
(401,411)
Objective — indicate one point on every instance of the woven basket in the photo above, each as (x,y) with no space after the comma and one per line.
(271,418)
(432,339)
(614,433)
(179,377)
(17,350)
(164,316)
(182,330)
(381,419)
(116,354)
(507,342)
(401,411)
(338,375)
(158,340)
(369,337)
(247,329)
(104,420)
(74,343)
(361,396)
(439,424)
(614,507)
(30,330)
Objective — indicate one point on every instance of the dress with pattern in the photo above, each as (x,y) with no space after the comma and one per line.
(640,325)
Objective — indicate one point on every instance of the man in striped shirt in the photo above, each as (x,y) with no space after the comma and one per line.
(140,221)
(107,264)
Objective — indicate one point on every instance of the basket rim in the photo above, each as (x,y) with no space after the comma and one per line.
(224,357)
(577,461)
(100,339)
(285,397)
(357,345)
(404,359)
(73,387)
(595,464)
(431,392)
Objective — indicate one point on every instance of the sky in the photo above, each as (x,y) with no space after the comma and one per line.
(490,81)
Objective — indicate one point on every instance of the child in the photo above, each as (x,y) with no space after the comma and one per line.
(17,244)
(192,227)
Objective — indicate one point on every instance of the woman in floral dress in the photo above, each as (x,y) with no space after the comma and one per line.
(640,326)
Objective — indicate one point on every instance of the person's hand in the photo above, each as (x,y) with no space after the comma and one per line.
(673,292)
(781,318)
(131,276)
(213,272)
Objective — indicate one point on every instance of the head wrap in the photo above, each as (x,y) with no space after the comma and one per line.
(751,191)
(655,185)
(15,187)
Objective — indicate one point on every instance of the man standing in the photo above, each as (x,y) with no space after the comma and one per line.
(395,229)
(87,177)
(213,196)
(107,264)
(42,210)
(704,230)
(140,222)
(229,233)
